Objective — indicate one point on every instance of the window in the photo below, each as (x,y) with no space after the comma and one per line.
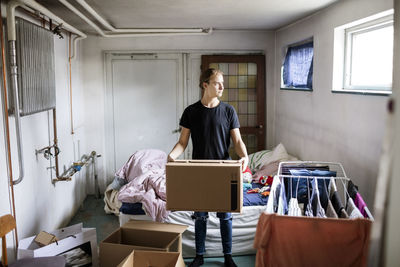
(367,56)
(297,69)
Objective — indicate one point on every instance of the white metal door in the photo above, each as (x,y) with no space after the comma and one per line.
(145,97)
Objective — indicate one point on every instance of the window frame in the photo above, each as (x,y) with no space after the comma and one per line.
(349,34)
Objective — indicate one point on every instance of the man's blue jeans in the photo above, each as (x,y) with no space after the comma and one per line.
(200,227)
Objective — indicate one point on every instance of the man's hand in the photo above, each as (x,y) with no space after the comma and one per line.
(245,162)
(170,159)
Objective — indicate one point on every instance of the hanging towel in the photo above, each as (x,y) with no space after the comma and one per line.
(352,210)
(359,202)
(352,189)
(282,203)
(294,209)
(273,195)
(337,204)
(332,188)
(304,241)
(317,209)
(330,211)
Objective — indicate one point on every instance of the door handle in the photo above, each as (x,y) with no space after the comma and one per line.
(259,126)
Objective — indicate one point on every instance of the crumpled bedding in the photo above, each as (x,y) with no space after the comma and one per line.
(145,173)
(112,204)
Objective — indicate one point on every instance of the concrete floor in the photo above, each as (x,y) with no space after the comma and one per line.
(92,215)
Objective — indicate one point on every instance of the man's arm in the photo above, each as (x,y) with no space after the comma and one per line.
(181,145)
(240,147)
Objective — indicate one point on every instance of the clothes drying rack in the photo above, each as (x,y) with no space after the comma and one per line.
(337,167)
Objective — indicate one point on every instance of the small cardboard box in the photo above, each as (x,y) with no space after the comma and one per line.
(44,239)
(139,258)
(140,235)
(204,185)
(69,238)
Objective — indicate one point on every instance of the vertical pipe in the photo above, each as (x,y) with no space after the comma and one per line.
(70,83)
(14,87)
(96,182)
(55,139)
(6,125)
(14,81)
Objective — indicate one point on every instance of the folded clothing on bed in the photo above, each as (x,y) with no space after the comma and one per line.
(132,208)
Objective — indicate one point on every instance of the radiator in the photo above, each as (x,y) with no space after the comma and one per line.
(36,74)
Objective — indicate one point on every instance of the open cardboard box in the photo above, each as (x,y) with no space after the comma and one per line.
(139,258)
(69,238)
(204,185)
(141,235)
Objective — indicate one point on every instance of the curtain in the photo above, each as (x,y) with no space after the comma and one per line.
(298,66)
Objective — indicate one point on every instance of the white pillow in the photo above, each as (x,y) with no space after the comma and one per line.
(265,157)
(279,153)
(255,159)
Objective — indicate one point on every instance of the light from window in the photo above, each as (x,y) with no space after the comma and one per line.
(297,69)
(369,56)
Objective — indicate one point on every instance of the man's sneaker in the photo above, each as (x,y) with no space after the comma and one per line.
(229,261)
(197,261)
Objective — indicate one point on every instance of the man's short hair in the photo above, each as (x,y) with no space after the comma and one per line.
(206,76)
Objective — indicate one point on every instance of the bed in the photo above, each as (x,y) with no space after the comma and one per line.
(149,205)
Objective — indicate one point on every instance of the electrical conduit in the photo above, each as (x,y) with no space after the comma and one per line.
(132,32)
(92,12)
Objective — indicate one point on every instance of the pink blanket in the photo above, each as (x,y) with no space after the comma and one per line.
(145,173)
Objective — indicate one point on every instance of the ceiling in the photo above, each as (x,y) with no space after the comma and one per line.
(218,14)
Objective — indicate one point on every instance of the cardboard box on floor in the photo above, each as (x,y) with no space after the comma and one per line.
(69,238)
(141,235)
(143,258)
(204,185)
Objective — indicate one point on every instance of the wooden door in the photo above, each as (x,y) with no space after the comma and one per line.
(244,81)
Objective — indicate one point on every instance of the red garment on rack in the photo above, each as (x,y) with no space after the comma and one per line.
(304,241)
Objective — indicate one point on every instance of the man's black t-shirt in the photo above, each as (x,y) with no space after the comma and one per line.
(210,129)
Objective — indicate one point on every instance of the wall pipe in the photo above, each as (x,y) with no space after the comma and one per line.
(107,25)
(77,166)
(169,32)
(14,83)
(70,83)
(55,141)
(6,127)
(31,4)
(11,5)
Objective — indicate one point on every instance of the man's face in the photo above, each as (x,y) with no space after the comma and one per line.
(215,87)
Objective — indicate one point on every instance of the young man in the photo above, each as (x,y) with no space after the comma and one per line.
(211,125)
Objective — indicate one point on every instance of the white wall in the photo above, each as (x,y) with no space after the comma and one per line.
(391,227)
(321,125)
(41,205)
(93,69)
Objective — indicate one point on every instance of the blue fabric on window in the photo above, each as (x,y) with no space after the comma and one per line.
(298,66)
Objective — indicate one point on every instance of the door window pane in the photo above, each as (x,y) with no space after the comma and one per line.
(240,90)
